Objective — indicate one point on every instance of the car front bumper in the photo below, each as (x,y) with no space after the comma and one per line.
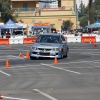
(51,54)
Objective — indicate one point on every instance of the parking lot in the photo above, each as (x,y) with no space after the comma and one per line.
(76,77)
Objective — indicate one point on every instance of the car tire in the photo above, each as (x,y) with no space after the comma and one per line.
(67,49)
(66,55)
(62,54)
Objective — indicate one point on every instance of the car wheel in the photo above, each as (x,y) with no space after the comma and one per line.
(62,54)
(67,49)
(66,55)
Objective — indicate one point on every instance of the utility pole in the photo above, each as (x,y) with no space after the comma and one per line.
(90,12)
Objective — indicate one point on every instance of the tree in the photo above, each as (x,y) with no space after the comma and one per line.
(95,16)
(80,10)
(6,10)
(96,10)
(84,21)
(67,24)
(90,12)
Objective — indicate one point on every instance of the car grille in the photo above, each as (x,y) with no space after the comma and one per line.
(45,49)
(34,52)
(44,54)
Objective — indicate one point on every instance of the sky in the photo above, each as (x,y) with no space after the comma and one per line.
(84,2)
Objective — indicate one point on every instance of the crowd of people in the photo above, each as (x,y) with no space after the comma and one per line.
(7,33)
(76,32)
(37,32)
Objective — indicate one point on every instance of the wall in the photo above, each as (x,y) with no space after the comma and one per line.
(19,4)
(57,20)
(25,14)
(57,12)
(24,0)
(54,16)
(67,3)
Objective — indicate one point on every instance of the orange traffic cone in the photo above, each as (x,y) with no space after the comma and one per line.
(92,42)
(27,55)
(7,63)
(10,47)
(95,46)
(55,60)
(82,41)
(21,55)
(0,96)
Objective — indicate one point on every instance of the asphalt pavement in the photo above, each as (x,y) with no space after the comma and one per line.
(76,77)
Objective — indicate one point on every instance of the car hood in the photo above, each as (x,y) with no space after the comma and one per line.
(46,45)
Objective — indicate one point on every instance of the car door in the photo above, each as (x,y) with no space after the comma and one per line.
(64,44)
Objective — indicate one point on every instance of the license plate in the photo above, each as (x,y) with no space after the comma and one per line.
(43,53)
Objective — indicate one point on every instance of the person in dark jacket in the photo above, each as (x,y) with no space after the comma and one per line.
(7,34)
(2,34)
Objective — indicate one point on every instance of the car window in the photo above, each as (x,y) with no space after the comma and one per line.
(63,39)
(48,39)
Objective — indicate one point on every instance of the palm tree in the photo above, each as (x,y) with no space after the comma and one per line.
(90,11)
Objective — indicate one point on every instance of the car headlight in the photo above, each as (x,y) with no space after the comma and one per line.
(53,49)
(34,48)
(58,49)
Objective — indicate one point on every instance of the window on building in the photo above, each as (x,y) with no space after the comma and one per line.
(24,6)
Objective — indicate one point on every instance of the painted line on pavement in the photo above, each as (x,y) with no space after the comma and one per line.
(94,61)
(46,95)
(83,48)
(3,59)
(61,68)
(95,54)
(23,66)
(97,66)
(84,52)
(15,50)
(5,73)
(83,67)
(22,50)
(13,98)
(90,53)
(29,46)
(31,67)
(9,50)
(12,57)
(17,57)
(5,46)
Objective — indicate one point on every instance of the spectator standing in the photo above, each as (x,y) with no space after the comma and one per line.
(2,34)
(7,34)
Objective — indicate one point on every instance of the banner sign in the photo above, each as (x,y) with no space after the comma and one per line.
(41,24)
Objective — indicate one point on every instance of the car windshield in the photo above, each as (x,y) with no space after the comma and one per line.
(48,39)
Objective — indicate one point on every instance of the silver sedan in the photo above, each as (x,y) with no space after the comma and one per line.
(49,45)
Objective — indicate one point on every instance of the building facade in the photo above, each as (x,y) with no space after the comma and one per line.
(29,12)
(53,4)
